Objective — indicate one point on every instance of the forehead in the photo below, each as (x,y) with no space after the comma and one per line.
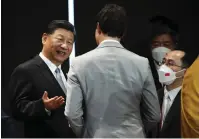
(64,33)
(163,38)
(175,56)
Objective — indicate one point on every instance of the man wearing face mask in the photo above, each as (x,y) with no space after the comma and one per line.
(161,45)
(171,73)
(164,39)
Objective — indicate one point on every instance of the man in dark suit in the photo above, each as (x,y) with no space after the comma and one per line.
(37,87)
(171,74)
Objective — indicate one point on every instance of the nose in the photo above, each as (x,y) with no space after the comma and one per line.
(64,46)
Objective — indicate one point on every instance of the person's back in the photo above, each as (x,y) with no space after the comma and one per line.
(111,87)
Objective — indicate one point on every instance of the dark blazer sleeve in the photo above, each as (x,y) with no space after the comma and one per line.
(21,91)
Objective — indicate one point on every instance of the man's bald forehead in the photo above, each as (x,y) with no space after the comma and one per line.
(176,53)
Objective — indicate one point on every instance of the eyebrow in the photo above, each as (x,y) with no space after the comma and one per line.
(162,42)
(60,35)
(64,37)
(169,60)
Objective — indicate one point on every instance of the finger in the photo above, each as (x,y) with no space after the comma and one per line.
(61,101)
(58,99)
(45,95)
(61,97)
(53,99)
(58,104)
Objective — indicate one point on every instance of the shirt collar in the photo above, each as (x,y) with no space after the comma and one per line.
(109,40)
(172,93)
(51,65)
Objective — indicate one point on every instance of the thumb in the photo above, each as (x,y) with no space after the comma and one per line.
(45,95)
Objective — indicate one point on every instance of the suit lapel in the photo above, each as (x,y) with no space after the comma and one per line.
(161,96)
(172,111)
(47,74)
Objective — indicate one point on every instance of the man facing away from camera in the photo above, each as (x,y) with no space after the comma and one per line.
(110,90)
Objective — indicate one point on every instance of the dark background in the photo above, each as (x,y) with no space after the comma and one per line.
(23,22)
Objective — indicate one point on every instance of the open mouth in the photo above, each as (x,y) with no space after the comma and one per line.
(61,53)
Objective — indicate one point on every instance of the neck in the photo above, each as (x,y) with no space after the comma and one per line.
(105,37)
(177,83)
(47,55)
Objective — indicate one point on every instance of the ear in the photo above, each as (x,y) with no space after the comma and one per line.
(98,29)
(44,38)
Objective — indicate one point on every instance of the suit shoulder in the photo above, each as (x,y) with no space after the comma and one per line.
(83,56)
(27,65)
(136,56)
(140,61)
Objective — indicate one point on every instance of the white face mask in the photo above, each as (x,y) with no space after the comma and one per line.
(166,75)
(159,53)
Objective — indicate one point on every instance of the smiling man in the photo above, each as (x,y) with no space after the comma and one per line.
(38,88)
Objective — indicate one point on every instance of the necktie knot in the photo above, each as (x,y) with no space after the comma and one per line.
(57,70)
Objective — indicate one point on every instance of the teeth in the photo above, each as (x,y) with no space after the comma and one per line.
(62,53)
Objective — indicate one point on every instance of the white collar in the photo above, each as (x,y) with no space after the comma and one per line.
(172,93)
(51,65)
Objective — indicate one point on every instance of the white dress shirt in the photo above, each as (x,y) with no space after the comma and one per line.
(169,97)
(53,67)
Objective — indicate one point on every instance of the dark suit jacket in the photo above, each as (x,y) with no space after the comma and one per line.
(9,127)
(27,85)
(172,125)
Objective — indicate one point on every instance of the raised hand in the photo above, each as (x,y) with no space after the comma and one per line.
(52,103)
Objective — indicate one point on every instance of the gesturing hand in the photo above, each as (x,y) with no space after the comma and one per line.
(52,103)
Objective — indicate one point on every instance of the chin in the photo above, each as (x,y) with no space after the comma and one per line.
(61,60)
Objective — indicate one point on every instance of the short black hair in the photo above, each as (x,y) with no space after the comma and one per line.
(162,25)
(55,24)
(112,20)
(165,30)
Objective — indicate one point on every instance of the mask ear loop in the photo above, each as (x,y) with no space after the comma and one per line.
(157,62)
(181,71)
